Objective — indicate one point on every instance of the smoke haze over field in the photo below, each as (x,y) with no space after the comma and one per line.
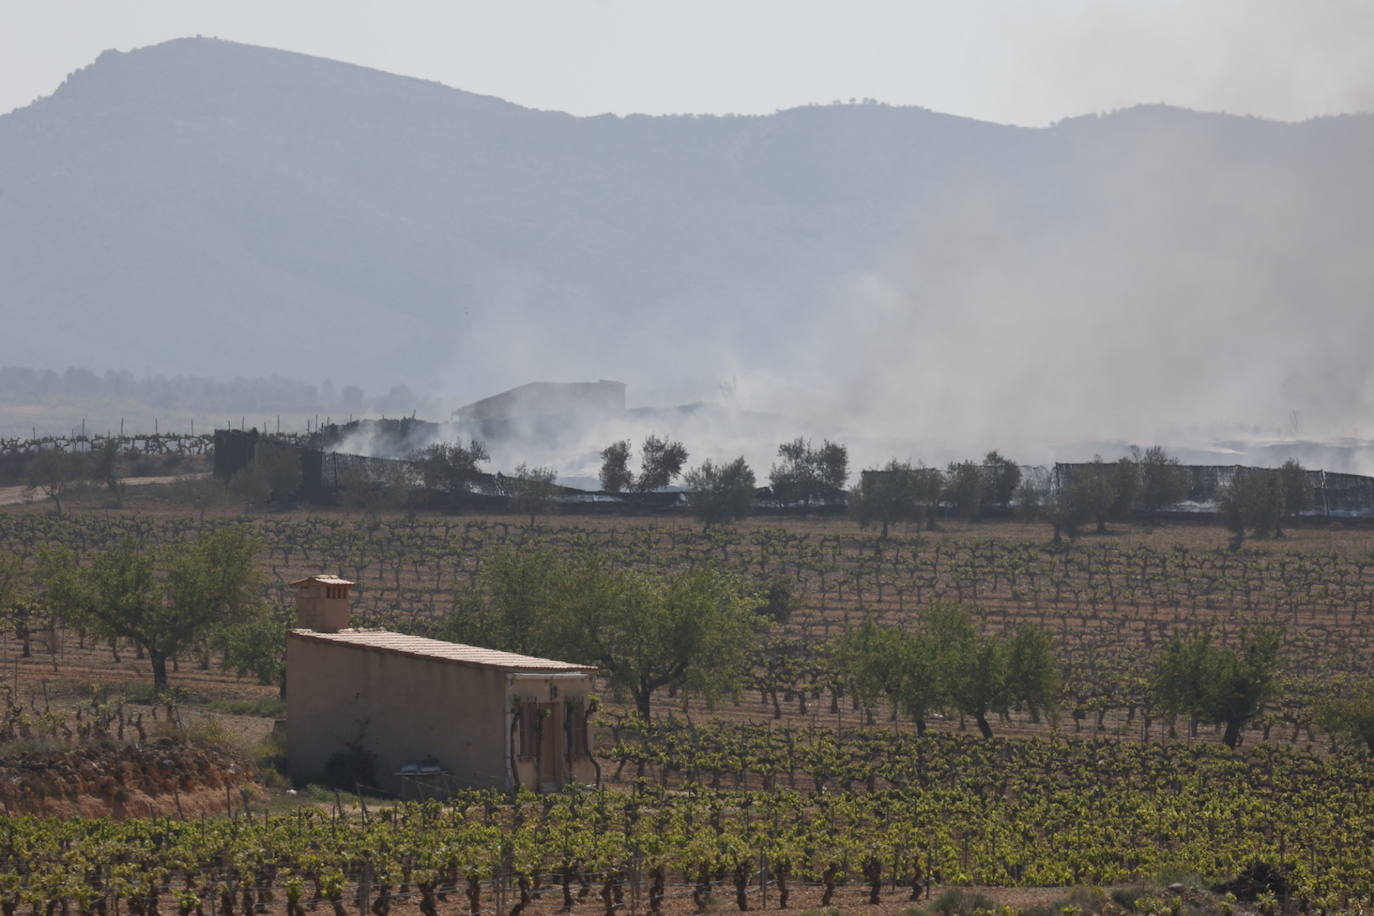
(914,284)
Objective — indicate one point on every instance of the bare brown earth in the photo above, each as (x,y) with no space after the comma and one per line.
(16,496)
(429,586)
(159,778)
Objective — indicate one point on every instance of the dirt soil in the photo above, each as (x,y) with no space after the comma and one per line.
(18,496)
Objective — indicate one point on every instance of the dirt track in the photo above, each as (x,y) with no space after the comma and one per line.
(15,496)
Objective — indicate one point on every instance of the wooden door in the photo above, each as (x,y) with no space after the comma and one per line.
(551,744)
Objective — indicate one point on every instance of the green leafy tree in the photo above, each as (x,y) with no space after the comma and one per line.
(14,598)
(615,467)
(660,461)
(692,631)
(1126,482)
(964,486)
(521,590)
(532,491)
(1034,670)
(1003,478)
(1297,489)
(56,473)
(104,469)
(809,474)
(256,645)
(206,587)
(451,467)
(1090,494)
(720,494)
(896,492)
(1252,501)
(1163,481)
(1069,498)
(974,671)
(1218,685)
(1350,717)
(981,674)
(893,663)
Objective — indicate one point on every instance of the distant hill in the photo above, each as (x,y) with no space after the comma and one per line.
(219,209)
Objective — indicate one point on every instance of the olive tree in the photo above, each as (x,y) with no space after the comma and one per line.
(964,486)
(532,491)
(451,467)
(1297,490)
(809,474)
(660,460)
(1163,481)
(719,494)
(1252,501)
(896,492)
(1003,478)
(615,467)
(55,473)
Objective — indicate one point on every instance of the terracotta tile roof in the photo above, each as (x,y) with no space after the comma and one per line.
(324,580)
(420,647)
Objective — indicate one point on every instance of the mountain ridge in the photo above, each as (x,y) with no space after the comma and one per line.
(207,207)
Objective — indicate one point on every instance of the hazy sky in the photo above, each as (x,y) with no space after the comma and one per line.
(1011,61)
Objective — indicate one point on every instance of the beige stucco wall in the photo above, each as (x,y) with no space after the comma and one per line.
(403,708)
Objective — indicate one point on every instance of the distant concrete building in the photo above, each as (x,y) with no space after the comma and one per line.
(415,713)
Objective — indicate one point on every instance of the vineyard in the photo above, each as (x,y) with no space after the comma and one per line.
(797,792)
(947,810)
(1107,602)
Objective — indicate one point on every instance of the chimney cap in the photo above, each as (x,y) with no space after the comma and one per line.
(323,579)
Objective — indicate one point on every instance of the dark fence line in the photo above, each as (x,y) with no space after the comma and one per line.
(327,476)
(1334,495)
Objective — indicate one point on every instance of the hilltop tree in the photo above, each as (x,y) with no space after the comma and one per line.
(808,473)
(1163,481)
(660,460)
(719,494)
(615,467)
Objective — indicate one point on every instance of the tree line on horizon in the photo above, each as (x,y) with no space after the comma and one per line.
(1257,501)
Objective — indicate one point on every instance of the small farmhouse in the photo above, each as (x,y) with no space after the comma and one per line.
(416,715)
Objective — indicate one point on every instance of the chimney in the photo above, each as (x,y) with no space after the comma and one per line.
(322,603)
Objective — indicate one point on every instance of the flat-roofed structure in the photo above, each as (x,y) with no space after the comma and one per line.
(369,705)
